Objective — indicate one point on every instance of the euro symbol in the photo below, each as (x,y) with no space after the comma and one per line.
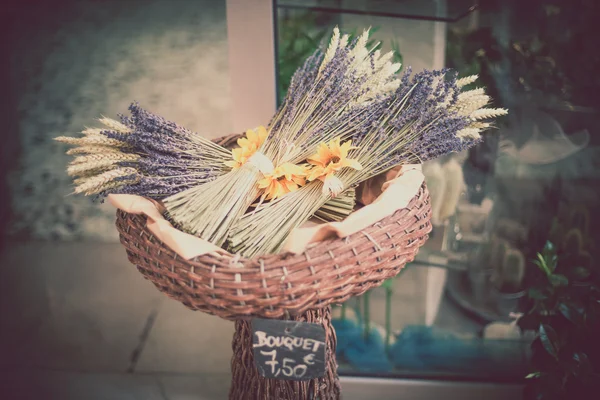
(309,359)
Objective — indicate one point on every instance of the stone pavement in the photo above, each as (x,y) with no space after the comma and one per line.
(78,321)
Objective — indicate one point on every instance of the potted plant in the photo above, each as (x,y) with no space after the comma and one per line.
(480,272)
(507,291)
(565,312)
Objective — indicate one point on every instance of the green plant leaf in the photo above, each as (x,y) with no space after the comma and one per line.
(558,280)
(549,339)
(581,273)
(533,375)
(552,262)
(571,313)
(549,257)
(397,53)
(541,262)
(579,365)
(536,294)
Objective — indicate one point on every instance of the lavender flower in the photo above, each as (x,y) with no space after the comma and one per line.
(165,157)
(421,120)
(326,99)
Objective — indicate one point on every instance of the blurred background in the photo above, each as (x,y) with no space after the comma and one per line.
(77,321)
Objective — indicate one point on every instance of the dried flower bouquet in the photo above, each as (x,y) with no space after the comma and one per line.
(329,97)
(426,117)
(147,155)
(348,116)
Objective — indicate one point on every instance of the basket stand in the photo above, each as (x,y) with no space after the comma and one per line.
(299,287)
(248,384)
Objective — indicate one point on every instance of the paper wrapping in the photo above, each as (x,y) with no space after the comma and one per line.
(382,196)
(186,245)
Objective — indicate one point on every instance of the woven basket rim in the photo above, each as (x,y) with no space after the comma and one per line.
(275,285)
(223,253)
(282,254)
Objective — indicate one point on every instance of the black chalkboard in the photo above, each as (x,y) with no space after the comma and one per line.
(290,350)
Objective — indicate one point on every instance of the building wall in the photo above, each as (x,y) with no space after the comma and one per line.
(72,63)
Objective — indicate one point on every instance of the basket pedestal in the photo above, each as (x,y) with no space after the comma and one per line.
(248,384)
(219,284)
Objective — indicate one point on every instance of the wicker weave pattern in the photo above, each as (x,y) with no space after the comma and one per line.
(329,272)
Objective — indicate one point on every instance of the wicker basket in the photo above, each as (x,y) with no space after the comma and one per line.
(286,286)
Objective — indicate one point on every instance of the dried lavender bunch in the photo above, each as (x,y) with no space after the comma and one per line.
(329,96)
(144,154)
(426,117)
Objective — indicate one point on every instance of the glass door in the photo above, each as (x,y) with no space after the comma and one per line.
(465,315)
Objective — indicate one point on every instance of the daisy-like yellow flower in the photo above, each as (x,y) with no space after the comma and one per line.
(331,158)
(286,178)
(248,146)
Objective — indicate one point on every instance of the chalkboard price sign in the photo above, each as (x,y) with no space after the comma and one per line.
(290,350)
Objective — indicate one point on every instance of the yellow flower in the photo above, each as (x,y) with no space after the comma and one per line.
(284,179)
(248,146)
(254,138)
(330,159)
